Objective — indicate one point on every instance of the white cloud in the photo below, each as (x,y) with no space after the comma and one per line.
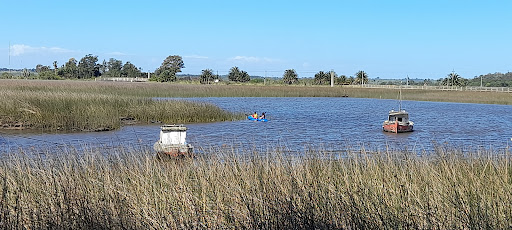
(20,49)
(245,59)
(115,53)
(253,59)
(195,56)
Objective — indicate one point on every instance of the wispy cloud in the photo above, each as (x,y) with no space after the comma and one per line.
(195,56)
(252,59)
(20,49)
(115,53)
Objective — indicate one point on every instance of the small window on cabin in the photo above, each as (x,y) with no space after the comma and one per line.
(400,119)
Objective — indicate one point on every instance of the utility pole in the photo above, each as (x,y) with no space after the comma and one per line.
(332,78)
(265,79)
(9,66)
(362,78)
(453,74)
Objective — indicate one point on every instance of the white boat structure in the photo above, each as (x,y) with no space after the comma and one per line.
(172,142)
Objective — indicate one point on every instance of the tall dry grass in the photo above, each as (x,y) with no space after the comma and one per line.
(256,190)
(152,89)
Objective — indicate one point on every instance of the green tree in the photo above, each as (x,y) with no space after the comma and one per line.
(55,67)
(492,80)
(42,68)
(6,75)
(207,76)
(113,68)
(69,70)
(88,68)
(25,73)
(238,75)
(103,67)
(454,79)
(48,75)
(342,79)
(322,78)
(351,80)
(361,76)
(170,66)
(290,77)
(130,70)
(43,72)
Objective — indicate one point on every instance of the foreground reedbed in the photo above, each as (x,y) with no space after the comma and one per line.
(222,189)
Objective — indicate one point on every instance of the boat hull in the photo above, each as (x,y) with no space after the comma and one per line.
(254,119)
(397,128)
(185,150)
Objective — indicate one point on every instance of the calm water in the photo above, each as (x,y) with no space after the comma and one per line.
(333,124)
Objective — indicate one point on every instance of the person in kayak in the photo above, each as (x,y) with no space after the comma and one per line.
(262,115)
(255,115)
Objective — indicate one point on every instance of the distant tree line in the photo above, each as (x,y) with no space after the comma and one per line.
(492,80)
(324,78)
(487,80)
(88,68)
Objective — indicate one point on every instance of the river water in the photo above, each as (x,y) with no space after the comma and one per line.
(297,124)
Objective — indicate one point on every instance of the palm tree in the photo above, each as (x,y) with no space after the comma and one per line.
(290,77)
(207,76)
(341,79)
(453,79)
(361,77)
(55,67)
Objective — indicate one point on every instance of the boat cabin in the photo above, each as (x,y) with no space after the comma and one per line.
(173,134)
(400,116)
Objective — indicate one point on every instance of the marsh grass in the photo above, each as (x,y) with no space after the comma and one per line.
(49,106)
(256,190)
(151,89)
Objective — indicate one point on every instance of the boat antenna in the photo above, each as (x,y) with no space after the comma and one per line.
(9,66)
(400,101)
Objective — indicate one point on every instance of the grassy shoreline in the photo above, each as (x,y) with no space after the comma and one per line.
(152,89)
(82,106)
(132,189)
(96,106)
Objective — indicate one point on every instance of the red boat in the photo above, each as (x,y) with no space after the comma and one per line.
(398,121)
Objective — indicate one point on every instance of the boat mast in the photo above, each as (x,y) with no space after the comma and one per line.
(400,100)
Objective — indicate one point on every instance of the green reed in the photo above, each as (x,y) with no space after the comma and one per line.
(76,106)
(152,89)
(258,190)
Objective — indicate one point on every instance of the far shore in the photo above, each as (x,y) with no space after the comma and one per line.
(72,105)
(229,89)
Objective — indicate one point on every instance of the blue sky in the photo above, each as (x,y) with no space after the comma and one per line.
(387,39)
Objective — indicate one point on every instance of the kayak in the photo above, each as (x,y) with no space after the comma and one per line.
(254,119)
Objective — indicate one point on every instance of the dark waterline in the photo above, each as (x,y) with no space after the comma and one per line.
(296,124)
